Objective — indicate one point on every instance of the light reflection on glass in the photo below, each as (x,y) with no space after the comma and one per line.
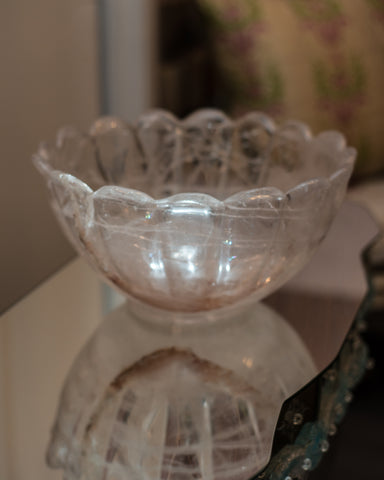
(248,362)
(191,211)
(157,266)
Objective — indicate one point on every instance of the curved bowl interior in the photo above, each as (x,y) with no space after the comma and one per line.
(231,209)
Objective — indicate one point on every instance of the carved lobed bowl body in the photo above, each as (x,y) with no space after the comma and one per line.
(196,214)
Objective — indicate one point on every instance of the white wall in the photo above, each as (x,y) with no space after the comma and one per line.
(49,78)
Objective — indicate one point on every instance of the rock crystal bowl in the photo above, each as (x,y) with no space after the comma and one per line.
(196,214)
(194,220)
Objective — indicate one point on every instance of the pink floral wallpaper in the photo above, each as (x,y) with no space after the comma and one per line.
(321,61)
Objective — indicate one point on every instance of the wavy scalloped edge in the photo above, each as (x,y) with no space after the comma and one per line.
(331,139)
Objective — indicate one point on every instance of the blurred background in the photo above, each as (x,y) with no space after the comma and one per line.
(67,62)
(63,63)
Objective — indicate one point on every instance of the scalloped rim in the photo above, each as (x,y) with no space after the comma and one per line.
(42,162)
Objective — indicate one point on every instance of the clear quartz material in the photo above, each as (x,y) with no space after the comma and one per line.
(145,400)
(194,220)
(196,214)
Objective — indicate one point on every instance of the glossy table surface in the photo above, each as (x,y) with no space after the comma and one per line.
(43,333)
